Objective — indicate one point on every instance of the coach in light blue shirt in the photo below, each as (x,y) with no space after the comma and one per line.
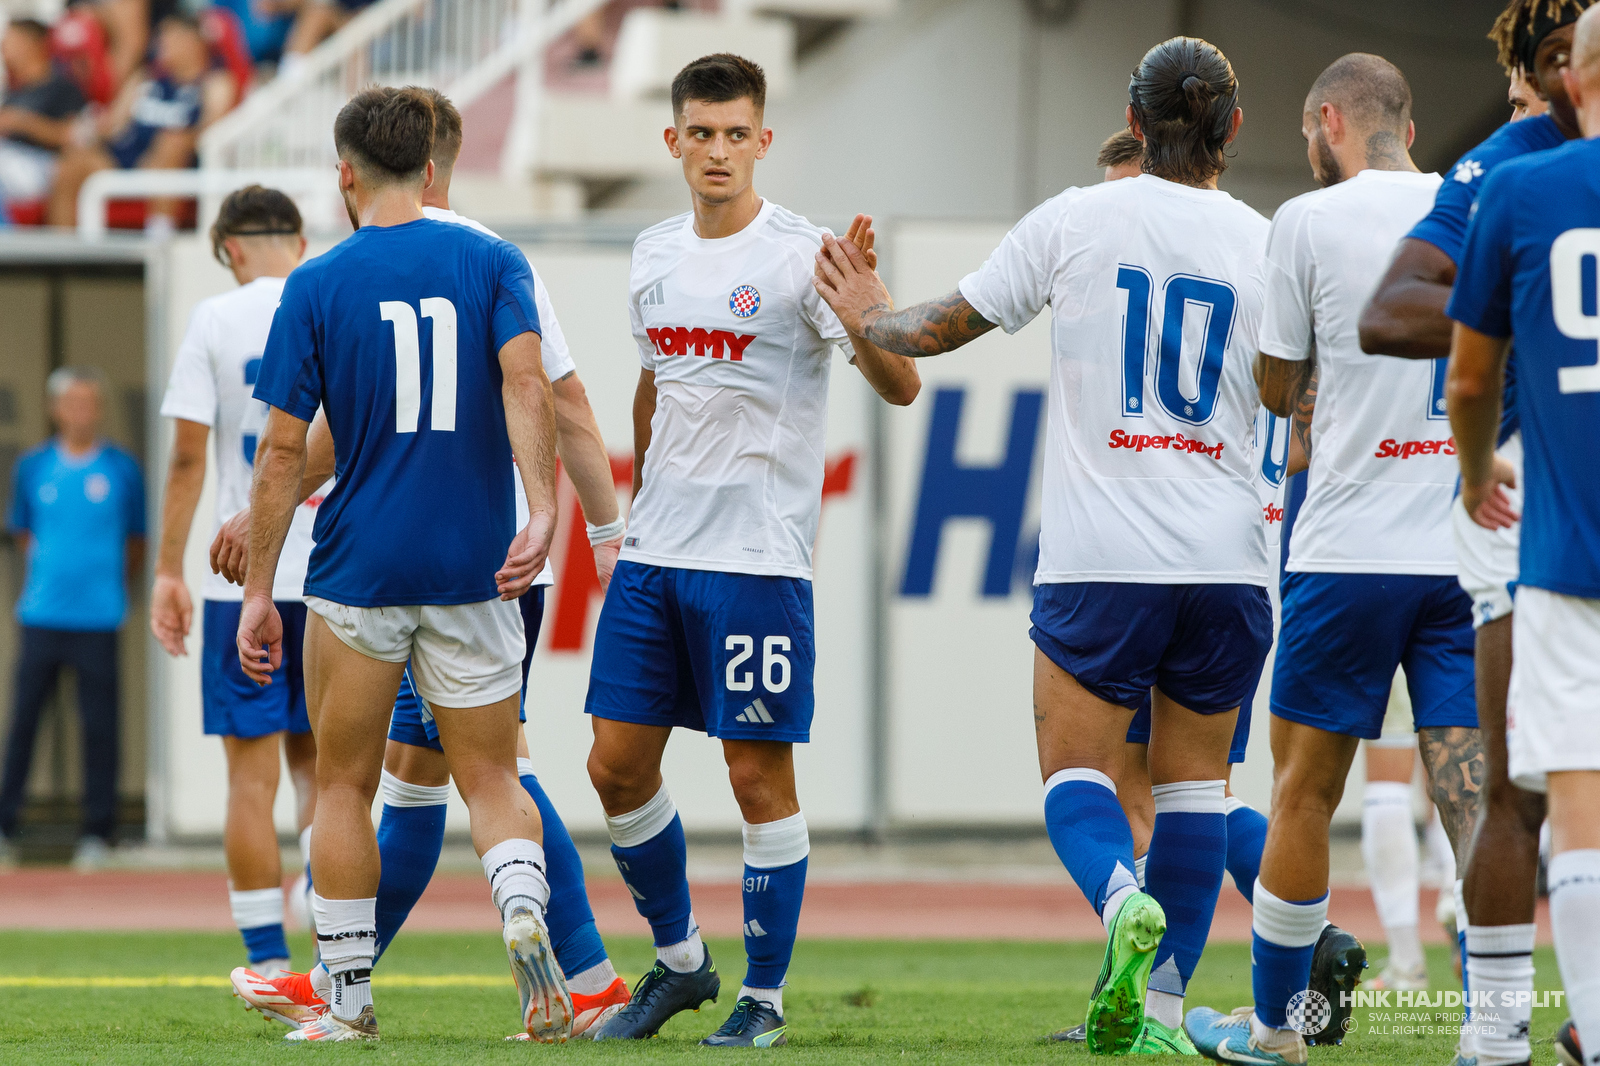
(77,512)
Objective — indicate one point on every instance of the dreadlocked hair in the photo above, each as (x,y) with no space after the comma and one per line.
(1524,23)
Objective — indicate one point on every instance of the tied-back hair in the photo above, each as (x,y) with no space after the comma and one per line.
(1524,23)
(1183,95)
(387,131)
(253,211)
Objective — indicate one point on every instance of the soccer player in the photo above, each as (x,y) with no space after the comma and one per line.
(391,580)
(1120,155)
(257,237)
(1526,273)
(1405,317)
(1143,276)
(708,621)
(1370,582)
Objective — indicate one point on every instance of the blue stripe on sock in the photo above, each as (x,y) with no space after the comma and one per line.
(1090,834)
(772,899)
(1247,836)
(1183,871)
(409,842)
(265,942)
(655,874)
(1278,972)
(572,931)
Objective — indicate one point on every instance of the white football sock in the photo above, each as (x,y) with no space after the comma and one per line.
(1138,869)
(687,955)
(593,981)
(515,869)
(256,907)
(1117,898)
(1405,948)
(772,997)
(1165,1008)
(1439,849)
(1575,924)
(1499,970)
(305,846)
(347,932)
(1389,849)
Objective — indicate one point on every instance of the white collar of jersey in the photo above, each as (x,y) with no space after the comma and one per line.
(767,208)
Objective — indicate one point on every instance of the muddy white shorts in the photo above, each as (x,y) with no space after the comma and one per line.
(1553,711)
(1486,559)
(462,655)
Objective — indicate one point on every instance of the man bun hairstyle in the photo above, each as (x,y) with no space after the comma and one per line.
(716,79)
(1119,149)
(253,211)
(1524,23)
(446,130)
(387,132)
(1183,96)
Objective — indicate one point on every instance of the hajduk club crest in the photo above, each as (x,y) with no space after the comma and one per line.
(745,301)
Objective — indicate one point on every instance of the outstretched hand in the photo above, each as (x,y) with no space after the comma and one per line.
(847,279)
(1487,503)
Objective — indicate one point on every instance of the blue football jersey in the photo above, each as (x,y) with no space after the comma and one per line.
(396,333)
(1445,227)
(1528,271)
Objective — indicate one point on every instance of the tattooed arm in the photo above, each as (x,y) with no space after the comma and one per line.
(1453,758)
(1300,417)
(862,303)
(1283,384)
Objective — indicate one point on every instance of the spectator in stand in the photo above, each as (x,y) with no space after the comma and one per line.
(266,25)
(131,24)
(316,21)
(156,121)
(36,115)
(77,511)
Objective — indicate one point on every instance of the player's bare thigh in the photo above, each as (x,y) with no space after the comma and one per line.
(1073,727)
(625,763)
(1186,745)
(349,698)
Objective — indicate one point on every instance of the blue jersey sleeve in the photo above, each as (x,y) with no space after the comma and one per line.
(133,515)
(1445,227)
(290,378)
(18,516)
(1481,299)
(515,311)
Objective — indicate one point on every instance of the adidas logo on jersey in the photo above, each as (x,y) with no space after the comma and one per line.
(677,340)
(656,297)
(756,713)
(1394,449)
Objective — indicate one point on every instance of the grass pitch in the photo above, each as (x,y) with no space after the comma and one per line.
(113,997)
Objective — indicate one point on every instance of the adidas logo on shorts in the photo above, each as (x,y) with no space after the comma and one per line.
(755,713)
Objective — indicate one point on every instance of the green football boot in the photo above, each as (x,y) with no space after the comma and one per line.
(1116,1010)
(1158,1039)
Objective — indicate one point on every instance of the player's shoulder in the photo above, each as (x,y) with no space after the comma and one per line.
(661,235)
(790,228)
(1509,142)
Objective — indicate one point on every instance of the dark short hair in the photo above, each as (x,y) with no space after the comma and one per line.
(446,129)
(253,211)
(716,79)
(1368,89)
(1183,96)
(387,130)
(33,28)
(1119,149)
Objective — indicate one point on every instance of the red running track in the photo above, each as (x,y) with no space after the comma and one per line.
(915,910)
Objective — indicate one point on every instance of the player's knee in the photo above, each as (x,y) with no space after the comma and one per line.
(613,779)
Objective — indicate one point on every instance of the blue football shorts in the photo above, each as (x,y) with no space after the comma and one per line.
(731,655)
(412,720)
(1343,635)
(231,704)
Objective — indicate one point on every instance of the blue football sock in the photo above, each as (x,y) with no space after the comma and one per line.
(1285,936)
(265,942)
(650,852)
(1247,836)
(572,931)
(774,886)
(410,837)
(1090,833)
(1188,849)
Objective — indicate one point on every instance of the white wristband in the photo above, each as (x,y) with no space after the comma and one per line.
(609,531)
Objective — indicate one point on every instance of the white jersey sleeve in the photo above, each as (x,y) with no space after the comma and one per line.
(820,315)
(192,388)
(553,350)
(1289,276)
(1013,285)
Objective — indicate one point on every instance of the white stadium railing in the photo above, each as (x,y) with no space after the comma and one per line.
(315,191)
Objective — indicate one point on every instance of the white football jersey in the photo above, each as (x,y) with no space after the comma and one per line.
(213,378)
(1383,467)
(553,353)
(740,344)
(1150,465)
(1272,464)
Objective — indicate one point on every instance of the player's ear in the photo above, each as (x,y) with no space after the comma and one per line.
(347,176)
(670,134)
(427,175)
(1233,125)
(1133,124)
(763,142)
(301,253)
(1411,134)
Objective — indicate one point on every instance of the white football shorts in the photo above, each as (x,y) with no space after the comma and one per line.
(462,655)
(1553,713)
(1487,559)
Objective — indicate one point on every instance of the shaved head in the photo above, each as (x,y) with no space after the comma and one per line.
(1586,44)
(1368,90)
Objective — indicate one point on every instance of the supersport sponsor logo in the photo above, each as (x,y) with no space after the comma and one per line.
(1272,513)
(1395,449)
(1176,442)
(717,343)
